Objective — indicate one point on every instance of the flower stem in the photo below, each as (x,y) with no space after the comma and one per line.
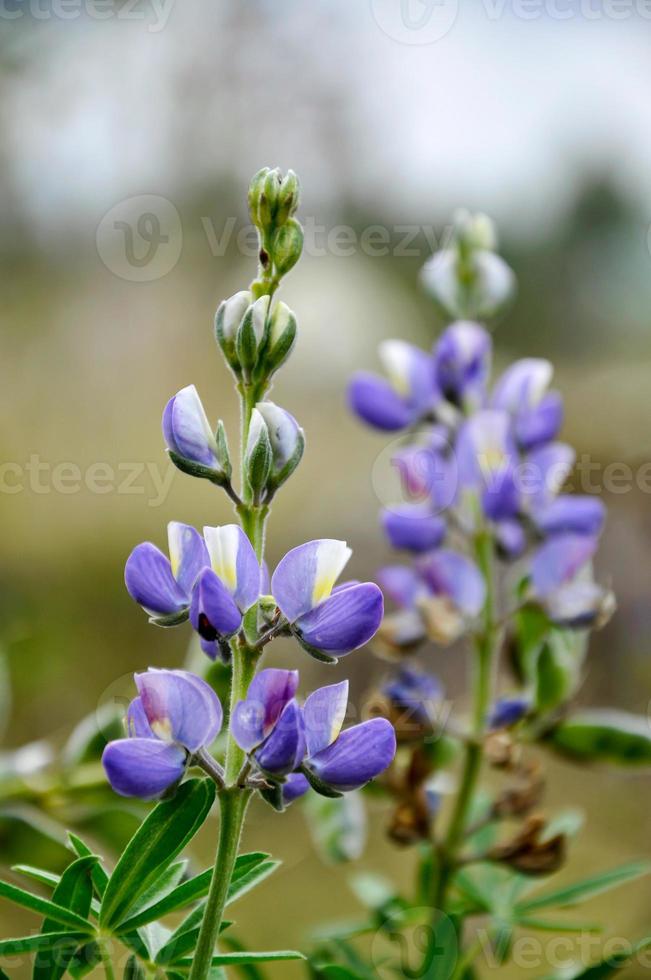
(483,664)
(233,803)
(105,956)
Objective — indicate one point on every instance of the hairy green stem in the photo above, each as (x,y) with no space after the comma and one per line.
(483,667)
(233,803)
(105,956)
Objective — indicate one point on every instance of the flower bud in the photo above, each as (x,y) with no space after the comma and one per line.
(288,197)
(287,246)
(227,321)
(286,439)
(474,231)
(251,334)
(263,197)
(190,442)
(282,334)
(258,458)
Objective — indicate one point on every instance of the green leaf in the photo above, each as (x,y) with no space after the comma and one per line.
(99,874)
(74,891)
(161,836)
(237,959)
(44,907)
(581,891)
(545,925)
(41,942)
(602,969)
(90,736)
(84,959)
(184,940)
(197,887)
(558,668)
(162,886)
(49,880)
(601,734)
(250,879)
(133,970)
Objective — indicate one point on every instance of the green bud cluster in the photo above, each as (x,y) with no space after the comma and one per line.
(468,280)
(273,200)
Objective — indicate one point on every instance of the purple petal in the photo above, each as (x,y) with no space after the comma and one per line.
(143,767)
(323,713)
(149,580)
(485,448)
(559,560)
(137,724)
(541,424)
(295,785)
(213,612)
(462,362)
(186,428)
(254,718)
(456,577)
(307,575)
(410,373)
(575,514)
(415,692)
(345,621)
(376,402)
(428,472)
(507,711)
(510,538)
(359,754)
(549,468)
(233,559)
(284,750)
(580,604)
(180,707)
(402,584)
(188,554)
(413,527)
(522,385)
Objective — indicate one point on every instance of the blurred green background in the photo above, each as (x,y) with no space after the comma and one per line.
(155,116)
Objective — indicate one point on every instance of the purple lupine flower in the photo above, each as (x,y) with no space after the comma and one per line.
(187,431)
(522,392)
(405,398)
(337,761)
(561,581)
(227,589)
(415,692)
(507,711)
(457,592)
(487,461)
(174,715)
(571,514)
(462,358)
(413,527)
(428,471)
(163,586)
(326,619)
(268,723)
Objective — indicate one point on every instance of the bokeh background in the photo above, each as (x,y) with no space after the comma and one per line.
(128,134)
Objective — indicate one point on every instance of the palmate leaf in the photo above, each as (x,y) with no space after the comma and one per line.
(49,880)
(580,891)
(162,835)
(44,907)
(249,870)
(74,891)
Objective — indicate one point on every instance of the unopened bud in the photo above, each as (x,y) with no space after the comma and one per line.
(251,334)
(287,442)
(258,458)
(282,334)
(287,246)
(227,321)
(288,197)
